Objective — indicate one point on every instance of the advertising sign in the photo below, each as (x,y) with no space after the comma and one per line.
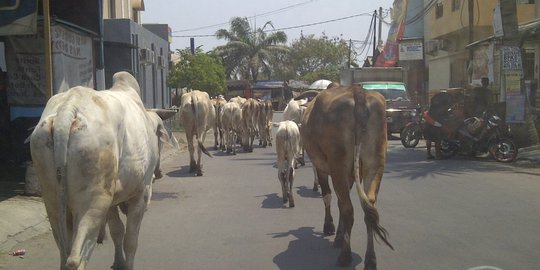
(72,58)
(411,50)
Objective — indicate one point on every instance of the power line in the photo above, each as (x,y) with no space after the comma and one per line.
(280,10)
(292,27)
(317,23)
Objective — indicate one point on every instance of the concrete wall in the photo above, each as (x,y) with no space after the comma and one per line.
(124,43)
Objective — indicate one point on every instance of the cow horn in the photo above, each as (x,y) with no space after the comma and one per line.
(164,114)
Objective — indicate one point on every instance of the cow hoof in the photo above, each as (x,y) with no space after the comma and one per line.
(118,266)
(338,242)
(329,229)
(291,204)
(285,200)
(368,265)
(199,173)
(315,188)
(270,144)
(344,259)
(430,157)
(158,175)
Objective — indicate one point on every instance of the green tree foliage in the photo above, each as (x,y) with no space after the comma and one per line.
(248,52)
(200,71)
(312,58)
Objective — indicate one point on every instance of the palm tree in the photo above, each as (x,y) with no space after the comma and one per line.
(249,52)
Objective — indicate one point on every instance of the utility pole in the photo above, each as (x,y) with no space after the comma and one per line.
(350,47)
(471,27)
(380,25)
(374,32)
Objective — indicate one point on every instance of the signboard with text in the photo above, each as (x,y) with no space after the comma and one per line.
(73,64)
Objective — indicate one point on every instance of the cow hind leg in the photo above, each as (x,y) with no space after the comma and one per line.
(283,182)
(328,227)
(290,181)
(135,214)
(346,221)
(117,230)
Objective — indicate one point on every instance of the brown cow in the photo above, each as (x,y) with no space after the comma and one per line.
(344,134)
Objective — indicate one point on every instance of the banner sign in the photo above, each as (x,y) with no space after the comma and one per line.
(390,54)
(72,58)
(411,50)
(511,58)
(18,17)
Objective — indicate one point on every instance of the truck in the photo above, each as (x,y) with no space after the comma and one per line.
(391,82)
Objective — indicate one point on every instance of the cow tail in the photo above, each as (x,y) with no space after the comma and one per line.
(361,113)
(61,131)
(198,132)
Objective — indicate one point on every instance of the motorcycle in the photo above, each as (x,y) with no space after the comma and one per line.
(413,131)
(481,135)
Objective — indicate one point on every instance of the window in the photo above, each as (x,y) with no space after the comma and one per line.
(439,9)
(456,5)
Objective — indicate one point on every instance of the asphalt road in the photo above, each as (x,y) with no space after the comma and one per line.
(447,214)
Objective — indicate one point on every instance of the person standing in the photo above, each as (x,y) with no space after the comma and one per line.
(482,97)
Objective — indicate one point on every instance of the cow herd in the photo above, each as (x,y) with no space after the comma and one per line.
(88,157)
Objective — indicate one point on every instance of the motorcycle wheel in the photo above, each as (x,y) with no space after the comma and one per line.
(410,136)
(448,148)
(503,150)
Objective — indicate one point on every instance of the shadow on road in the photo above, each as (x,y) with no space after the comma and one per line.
(272,201)
(160,196)
(182,172)
(306,192)
(315,251)
(412,164)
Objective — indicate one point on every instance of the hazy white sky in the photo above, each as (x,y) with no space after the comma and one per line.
(204,17)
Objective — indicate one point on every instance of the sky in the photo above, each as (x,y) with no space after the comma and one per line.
(347,19)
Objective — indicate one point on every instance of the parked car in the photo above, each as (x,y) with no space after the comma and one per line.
(399,108)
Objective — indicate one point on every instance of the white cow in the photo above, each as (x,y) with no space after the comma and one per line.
(198,115)
(287,148)
(94,151)
(218,103)
(264,122)
(249,123)
(231,120)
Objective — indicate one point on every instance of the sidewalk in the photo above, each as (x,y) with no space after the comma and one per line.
(23,217)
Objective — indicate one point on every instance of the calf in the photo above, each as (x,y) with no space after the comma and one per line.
(287,148)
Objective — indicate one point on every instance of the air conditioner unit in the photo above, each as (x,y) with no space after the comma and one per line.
(161,62)
(432,47)
(444,44)
(146,56)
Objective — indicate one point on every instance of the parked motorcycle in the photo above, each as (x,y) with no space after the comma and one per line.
(481,135)
(413,131)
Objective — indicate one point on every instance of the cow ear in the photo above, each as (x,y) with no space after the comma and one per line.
(167,138)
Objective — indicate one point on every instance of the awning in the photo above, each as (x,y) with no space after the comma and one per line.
(525,30)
